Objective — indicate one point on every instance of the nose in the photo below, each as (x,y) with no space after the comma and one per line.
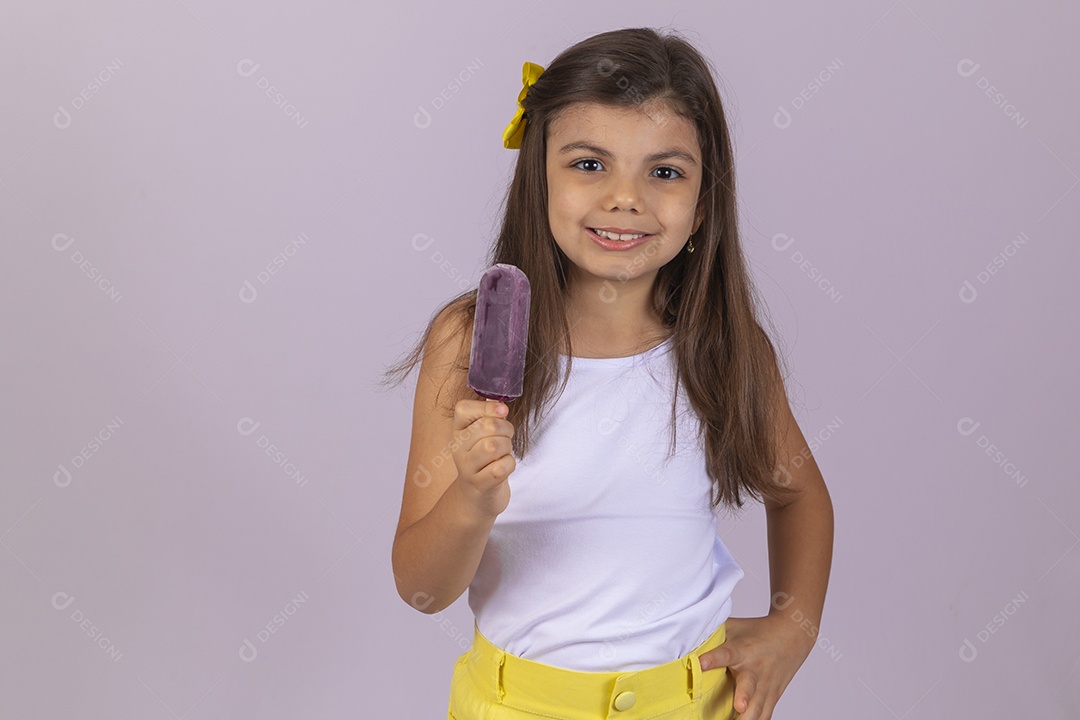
(623,193)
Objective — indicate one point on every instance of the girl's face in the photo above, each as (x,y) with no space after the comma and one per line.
(629,170)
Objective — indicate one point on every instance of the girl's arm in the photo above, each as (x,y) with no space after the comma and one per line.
(440,538)
(800,536)
(764,653)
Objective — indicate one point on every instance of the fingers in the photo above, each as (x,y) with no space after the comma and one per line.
(482,439)
(466,412)
(486,456)
(753,701)
(721,656)
(478,419)
(745,685)
(502,467)
(758,680)
(495,407)
(745,701)
(759,707)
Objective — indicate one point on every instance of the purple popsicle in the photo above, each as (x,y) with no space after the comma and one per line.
(500,333)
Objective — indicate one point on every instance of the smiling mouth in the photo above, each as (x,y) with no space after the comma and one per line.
(617,237)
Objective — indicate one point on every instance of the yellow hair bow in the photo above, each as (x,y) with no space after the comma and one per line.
(530,72)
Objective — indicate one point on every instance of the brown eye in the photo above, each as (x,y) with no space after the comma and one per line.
(671,169)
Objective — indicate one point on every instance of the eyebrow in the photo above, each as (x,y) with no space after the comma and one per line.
(663,155)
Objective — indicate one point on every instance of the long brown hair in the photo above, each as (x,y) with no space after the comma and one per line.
(706,299)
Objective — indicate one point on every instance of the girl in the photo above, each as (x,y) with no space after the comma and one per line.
(599,586)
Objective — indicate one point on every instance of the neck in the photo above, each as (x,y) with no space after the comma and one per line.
(613,316)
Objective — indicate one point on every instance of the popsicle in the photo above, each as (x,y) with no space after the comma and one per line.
(500,333)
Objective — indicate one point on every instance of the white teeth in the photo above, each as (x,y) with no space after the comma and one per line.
(616,236)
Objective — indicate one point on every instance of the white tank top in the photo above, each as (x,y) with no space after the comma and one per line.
(607,558)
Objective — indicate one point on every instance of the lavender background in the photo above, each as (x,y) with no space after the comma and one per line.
(221,222)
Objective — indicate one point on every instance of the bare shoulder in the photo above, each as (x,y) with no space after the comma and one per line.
(444,367)
(441,382)
(797,468)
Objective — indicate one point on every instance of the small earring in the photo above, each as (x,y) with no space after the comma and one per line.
(690,247)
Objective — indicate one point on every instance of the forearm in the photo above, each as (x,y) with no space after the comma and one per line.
(800,557)
(436,558)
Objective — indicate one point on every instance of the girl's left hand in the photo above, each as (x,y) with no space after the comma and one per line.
(762,654)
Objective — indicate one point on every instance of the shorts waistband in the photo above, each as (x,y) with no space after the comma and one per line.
(528,685)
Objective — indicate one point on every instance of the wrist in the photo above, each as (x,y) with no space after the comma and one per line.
(470,511)
(799,629)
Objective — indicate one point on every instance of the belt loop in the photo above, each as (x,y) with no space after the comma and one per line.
(502,661)
(693,679)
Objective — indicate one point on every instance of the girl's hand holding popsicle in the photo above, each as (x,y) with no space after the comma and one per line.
(496,372)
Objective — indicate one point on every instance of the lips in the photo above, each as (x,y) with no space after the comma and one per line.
(619,234)
(616,245)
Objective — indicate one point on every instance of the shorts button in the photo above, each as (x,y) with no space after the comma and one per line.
(625,700)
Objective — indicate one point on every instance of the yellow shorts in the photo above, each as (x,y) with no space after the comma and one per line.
(489,683)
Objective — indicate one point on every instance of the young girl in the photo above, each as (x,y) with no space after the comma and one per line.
(599,585)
